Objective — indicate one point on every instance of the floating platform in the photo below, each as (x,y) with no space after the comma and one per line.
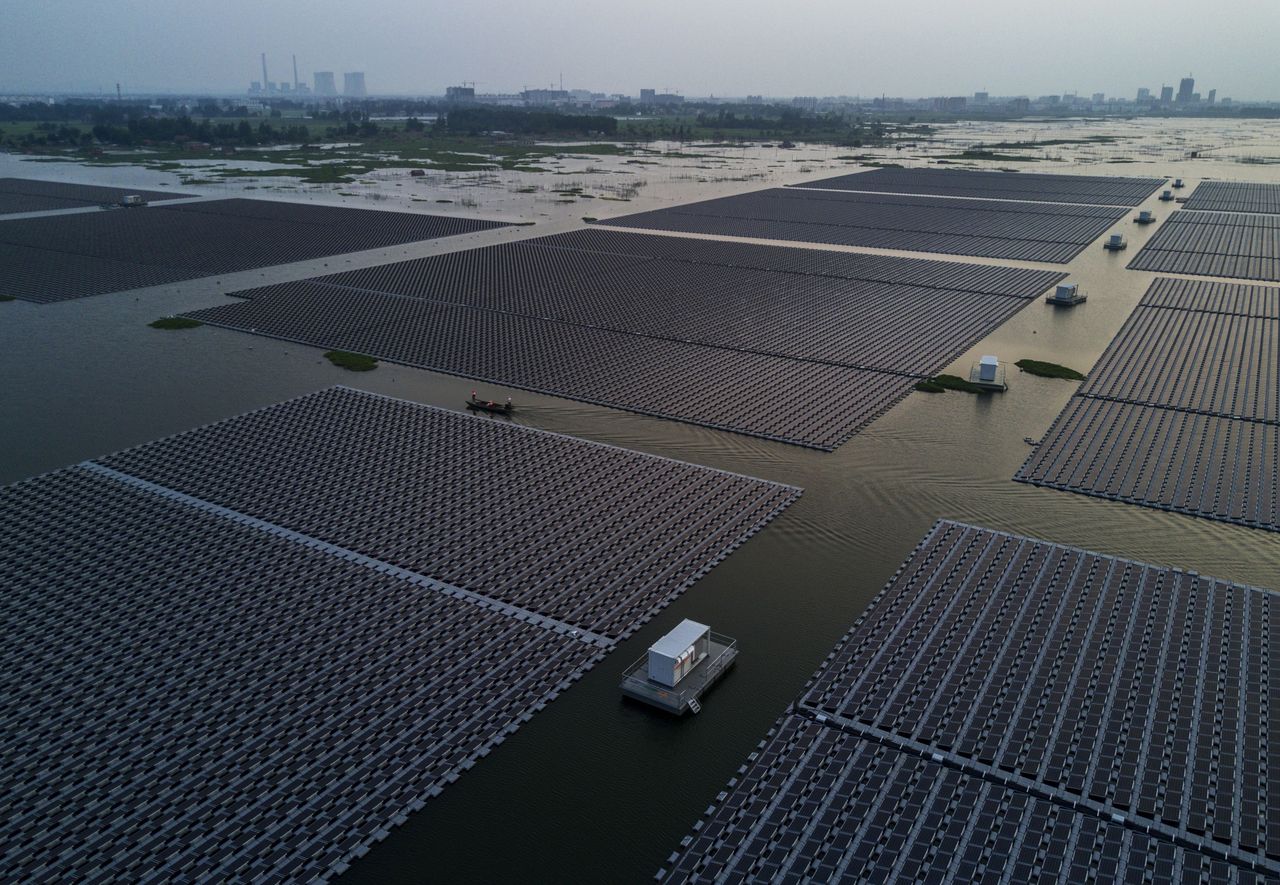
(686,694)
(989,374)
(1067,295)
(1144,217)
(1116,243)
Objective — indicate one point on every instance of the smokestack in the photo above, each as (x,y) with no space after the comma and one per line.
(295,73)
(264,72)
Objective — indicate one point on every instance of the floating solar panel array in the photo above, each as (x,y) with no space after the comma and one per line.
(1235,196)
(1182,412)
(73,256)
(1012,710)
(1096,190)
(29,195)
(789,344)
(1215,244)
(247,651)
(1053,233)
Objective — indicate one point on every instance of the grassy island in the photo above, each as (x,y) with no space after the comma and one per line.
(941,383)
(352,362)
(175,323)
(1048,370)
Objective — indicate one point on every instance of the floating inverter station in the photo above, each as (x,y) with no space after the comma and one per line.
(1067,295)
(1166,195)
(1145,217)
(1115,243)
(988,374)
(680,667)
(1177,182)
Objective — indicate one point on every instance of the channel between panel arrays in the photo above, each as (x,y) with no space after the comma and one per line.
(1044,232)
(796,345)
(1182,411)
(1010,709)
(249,650)
(1099,190)
(30,195)
(74,256)
(1214,244)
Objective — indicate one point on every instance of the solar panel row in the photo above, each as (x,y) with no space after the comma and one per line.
(1088,189)
(1236,196)
(57,258)
(1009,707)
(29,195)
(989,228)
(191,691)
(186,698)
(1182,412)
(747,338)
(1214,244)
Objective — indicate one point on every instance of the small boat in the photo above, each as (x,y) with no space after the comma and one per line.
(488,405)
(1031,442)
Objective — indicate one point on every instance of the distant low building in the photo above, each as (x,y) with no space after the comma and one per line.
(460,94)
(545,96)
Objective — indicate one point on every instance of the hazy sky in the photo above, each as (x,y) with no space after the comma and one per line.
(696,47)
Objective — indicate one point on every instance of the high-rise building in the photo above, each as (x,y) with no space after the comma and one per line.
(1098,98)
(324,83)
(1213,97)
(1144,95)
(1166,95)
(981,97)
(460,94)
(647,96)
(1186,88)
(353,85)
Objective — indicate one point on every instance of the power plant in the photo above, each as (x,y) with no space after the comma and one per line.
(324,83)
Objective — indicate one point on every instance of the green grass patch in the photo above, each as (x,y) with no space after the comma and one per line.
(352,362)
(175,323)
(940,383)
(589,218)
(1048,370)
(990,155)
